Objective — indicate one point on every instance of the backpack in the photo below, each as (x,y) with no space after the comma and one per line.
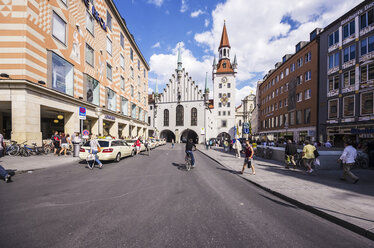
(56,138)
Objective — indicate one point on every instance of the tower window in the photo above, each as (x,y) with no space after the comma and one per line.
(228,85)
(224,64)
(224,52)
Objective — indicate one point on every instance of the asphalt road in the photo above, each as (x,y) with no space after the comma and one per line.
(151,201)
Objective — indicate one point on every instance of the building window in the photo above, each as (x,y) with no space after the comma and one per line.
(307,116)
(193,117)
(308,75)
(166,118)
(92,90)
(308,57)
(131,54)
(109,71)
(228,95)
(89,55)
(219,95)
(133,111)
(219,113)
(58,28)
(108,20)
(109,46)
(292,67)
(228,85)
(138,64)
(292,118)
(122,61)
(367,72)
(286,102)
(287,71)
(149,120)
(124,106)
(280,104)
(281,75)
(280,120)
(307,94)
(62,75)
(300,62)
(90,25)
(299,97)
(224,113)
(122,83)
(228,113)
(299,79)
(132,72)
(334,38)
(132,90)
(367,103)
(349,78)
(224,65)
(224,123)
(334,83)
(122,40)
(299,116)
(220,86)
(334,60)
(349,53)
(228,104)
(220,104)
(333,108)
(286,87)
(367,19)
(111,99)
(348,106)
(348,29)
(367,45)
(139,81)
(179,115)
(139,96)
(144,73)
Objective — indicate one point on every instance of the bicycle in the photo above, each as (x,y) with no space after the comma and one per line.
(268,153)
(188,160)
(12,149)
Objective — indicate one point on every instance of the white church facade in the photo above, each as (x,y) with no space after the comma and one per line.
(183,111)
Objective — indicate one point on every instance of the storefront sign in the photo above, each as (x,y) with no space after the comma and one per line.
(362,131)
(109,117)
(96,15)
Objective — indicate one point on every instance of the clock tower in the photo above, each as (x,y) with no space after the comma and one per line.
(224,86)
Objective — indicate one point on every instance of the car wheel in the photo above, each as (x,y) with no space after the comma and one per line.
(118,158)
(133,153)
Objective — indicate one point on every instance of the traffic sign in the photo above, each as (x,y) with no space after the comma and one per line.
(85,134)
(82,113)
(246,130)
(246,125)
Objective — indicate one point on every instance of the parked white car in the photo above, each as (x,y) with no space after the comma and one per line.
(132,143)
(110,150)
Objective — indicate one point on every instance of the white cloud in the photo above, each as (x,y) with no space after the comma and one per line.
(156,45)
(206,22)
(158,3)
(164,65)
(258,36)
(189,32)
(184,6)
(197,13)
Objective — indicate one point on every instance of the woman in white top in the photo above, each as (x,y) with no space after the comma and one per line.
(94,147)
(238,148)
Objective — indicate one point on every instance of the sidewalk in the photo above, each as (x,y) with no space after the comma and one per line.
(22,164)
(322,193)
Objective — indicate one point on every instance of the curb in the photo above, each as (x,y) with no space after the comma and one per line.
(352,227)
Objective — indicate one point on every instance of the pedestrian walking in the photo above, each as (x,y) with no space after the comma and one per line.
(5,175)
(238,148)
(248,161)
(137,145)
(348,159)
(2,145)
(56,142)
(172,143)
(64,144)
(290,153)
(226,145)
(308,155)
(94,149)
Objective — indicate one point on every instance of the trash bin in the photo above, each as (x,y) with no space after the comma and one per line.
(77,148)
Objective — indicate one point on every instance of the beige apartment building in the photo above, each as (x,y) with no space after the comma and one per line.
(58,56)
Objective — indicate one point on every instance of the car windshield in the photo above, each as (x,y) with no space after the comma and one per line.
(130,141)
(102,143)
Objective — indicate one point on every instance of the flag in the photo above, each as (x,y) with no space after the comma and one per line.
(237,130)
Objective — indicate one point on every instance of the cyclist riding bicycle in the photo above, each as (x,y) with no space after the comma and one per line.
(189,146)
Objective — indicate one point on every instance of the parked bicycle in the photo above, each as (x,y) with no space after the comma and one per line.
(362,160)
(12,149)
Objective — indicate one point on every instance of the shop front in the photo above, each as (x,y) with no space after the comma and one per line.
(356,133)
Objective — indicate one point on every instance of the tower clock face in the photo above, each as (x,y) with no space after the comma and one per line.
(224,80)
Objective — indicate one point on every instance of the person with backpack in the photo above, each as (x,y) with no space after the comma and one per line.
(248,161)
(290,153)
(56,142)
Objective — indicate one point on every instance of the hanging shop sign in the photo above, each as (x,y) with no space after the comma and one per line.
(109,117)
(96,15)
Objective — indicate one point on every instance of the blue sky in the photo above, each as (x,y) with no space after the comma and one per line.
(260,33)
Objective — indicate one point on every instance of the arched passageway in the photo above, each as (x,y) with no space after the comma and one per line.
(189,134)
(168,135)
(222,137)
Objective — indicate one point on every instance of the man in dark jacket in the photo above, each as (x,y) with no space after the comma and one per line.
(290,153)
(189,147)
